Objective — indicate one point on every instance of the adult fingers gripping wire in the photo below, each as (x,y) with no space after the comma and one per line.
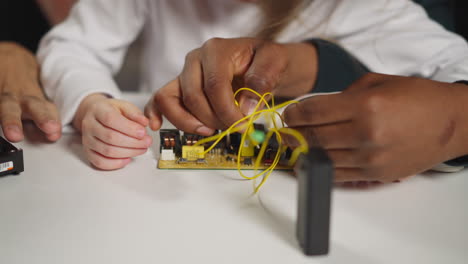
(246,126)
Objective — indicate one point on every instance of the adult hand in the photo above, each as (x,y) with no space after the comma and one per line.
(113,131)
(385,127)
(201,98)
(21,97)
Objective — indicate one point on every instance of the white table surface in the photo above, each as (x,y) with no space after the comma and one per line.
(60,210)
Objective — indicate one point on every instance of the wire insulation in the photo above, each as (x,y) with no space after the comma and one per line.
(246,126)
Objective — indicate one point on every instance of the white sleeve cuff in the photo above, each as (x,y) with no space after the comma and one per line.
(74,87)
(447,168)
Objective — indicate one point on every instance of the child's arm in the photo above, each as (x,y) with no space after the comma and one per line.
(113,131)
(79,56)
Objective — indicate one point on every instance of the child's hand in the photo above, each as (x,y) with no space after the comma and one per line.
(113,131)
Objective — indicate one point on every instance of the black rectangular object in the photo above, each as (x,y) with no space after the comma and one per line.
(11,158)
(190,139)
(315,180)
(233,142)
(167,134)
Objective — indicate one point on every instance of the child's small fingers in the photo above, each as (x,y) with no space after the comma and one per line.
(111,151)
(115,138)
(139,118)
(117,121)
(133,113)
(105,163)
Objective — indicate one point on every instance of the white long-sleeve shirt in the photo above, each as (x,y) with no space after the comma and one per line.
(81,55)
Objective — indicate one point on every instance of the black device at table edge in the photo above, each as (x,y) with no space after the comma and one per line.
(11,158)
(315,180)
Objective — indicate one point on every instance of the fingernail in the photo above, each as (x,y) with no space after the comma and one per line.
(203,130)
(141,133)
(13,133)
(149,141)
(50,126)
(144,120)
(53,136)
(248,106)
(52,123)
(154,125)
(13,129)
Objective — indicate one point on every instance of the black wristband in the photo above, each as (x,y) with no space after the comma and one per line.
(462,81)
(337,68)
(460,161)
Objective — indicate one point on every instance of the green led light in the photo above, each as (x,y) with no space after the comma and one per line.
(257,136)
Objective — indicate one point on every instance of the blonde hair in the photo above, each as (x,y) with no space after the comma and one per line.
(277,16)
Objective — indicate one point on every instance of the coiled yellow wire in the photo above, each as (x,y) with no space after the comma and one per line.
(246,124)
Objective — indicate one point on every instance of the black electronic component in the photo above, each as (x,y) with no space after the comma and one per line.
(273,142)
(233,143)
(11,158)
(190,139)
(220,145)
(271,150)
(247,161)
(269,156)
(315,179)
(260,127)
(285,156)
(202,161)
(182,160)
(170,139)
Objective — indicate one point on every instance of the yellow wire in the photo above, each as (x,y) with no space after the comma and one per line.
(246,127)
(234,128)
(303,146)
(262,97)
